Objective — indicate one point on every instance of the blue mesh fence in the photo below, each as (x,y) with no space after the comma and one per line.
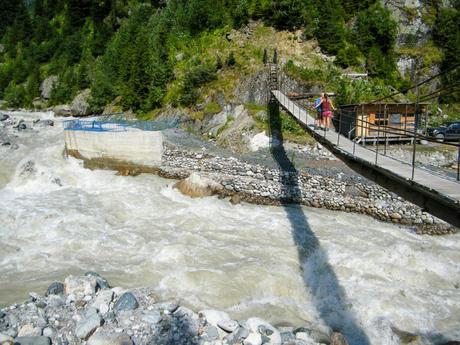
(118,125)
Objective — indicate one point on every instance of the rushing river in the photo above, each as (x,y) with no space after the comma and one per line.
(57,218)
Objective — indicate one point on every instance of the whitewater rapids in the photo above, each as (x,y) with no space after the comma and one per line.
(57,218)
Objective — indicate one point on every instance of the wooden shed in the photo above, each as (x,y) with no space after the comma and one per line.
(381,121)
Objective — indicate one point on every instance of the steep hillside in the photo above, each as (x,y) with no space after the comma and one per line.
(148,56)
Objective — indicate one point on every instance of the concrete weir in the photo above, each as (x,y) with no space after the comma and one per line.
(129,150)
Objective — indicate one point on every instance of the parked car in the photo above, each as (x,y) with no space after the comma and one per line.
(448,132)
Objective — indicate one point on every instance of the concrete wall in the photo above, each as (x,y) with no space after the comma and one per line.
(133,146)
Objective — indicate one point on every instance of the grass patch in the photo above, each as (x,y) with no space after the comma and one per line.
(212,108)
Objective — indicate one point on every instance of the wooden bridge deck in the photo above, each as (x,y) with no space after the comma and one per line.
(434,188)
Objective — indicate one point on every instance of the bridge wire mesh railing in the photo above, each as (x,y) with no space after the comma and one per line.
(344,117)
(119,125)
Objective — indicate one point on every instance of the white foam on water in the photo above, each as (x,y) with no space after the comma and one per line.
(59,218)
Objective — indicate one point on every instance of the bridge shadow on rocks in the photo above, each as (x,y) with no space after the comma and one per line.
(320,281)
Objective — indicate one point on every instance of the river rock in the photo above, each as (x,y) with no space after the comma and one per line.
(4,117)
(28,330)
(338,339)
(84,285)
(32,341)
(189,318)
(62,110)
(44,123)
(260,326)
(88,324)
(196,186)
(213,317)
(80,104)
(55,301)
(406,337)
(152,317)
(395,215)
(210,333)
(104,297)
(127,301)
(253,339)
(48,332)
(4,338)
(237,336)
(55,288)
(100,338)
(228,325)
(102,283)
(47,86)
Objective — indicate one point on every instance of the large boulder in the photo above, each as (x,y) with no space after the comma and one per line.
(83,285)
(48,85)
(80,104)
(62,110)
(197,186)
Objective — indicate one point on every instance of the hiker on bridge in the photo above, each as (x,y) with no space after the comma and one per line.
(319,111)
(327,107)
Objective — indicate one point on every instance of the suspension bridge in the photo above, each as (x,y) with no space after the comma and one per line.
(434,193)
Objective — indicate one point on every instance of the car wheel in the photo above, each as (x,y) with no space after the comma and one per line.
(440,137)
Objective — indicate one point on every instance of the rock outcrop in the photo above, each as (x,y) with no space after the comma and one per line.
(196,186)
(80,104)
(48,85)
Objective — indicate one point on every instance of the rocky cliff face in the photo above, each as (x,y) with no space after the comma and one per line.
(415,19)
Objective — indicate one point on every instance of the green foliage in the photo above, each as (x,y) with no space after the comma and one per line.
(15,95)
(375,32)
(212,108)
(230,61)
(195,78)
(447,36)
(357,91)
(308,76)
(349,56)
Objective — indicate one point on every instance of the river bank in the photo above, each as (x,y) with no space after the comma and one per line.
(86,308)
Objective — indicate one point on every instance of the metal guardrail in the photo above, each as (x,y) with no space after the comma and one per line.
(118,125)
(296,110)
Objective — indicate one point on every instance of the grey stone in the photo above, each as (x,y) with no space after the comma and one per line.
(62,110)
(167,307)
(255,324)
(44,123)
(314,334)
(287,337)
(88,324)
(109,339)
(104,297)
(338,339)
(80,105)
(127,301)
(48,332)
(5,338)
(253,339)
(213,317)
(32,341)
(101,282)
(83,285)
(228,325)
(55,301)
(188,317)
(4,117)
(237,336)
(28,330)
(152,317)
(47,86)
(210,333)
